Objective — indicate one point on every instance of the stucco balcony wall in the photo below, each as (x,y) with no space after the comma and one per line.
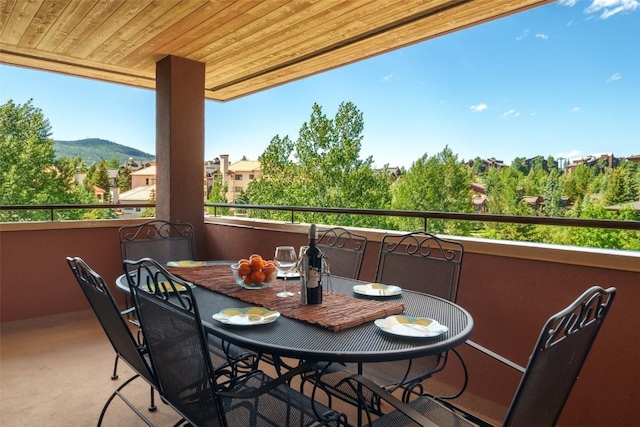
(510,289)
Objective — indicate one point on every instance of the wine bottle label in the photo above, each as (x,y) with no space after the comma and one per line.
(313,280)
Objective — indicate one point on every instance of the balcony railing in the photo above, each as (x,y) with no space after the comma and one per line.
(424,215)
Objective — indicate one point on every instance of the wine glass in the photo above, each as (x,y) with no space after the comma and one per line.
(285,259)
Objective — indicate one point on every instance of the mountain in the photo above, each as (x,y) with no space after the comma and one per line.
(92,150)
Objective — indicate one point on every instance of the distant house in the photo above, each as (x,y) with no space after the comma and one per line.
(214,169)
(113,176)
(479,197)
(394,172)
(99,193)
(239,175)
(635,159)
(480,203)
(140,194)
(591,160)
(488,164)
(143,177)
(536,202)
(134,165)
(634,205)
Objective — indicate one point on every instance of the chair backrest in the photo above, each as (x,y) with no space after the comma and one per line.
(421,262)
(557,358)
(108,313)
(176,340)
(160,240)
(343,251)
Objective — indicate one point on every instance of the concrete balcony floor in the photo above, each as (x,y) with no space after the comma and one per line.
(55,371)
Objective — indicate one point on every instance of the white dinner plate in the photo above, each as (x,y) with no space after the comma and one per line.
(186,263)
(246,316)
(377,290)
(408,326)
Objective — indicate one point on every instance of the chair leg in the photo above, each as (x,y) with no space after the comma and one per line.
(125,400)
(114,376)
(152,404)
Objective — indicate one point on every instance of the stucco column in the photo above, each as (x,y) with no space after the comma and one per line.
(180,143)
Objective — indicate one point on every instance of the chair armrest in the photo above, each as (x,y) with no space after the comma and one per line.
(495,356)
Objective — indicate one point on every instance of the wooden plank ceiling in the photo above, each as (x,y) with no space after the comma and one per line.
(247,45)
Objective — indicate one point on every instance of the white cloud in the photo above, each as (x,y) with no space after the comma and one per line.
(568,3)
(387,78)
(611,7)
(570,155)
(542,36)
(523,35)
(510,113)
(614,77)
(478,108)
(575,109)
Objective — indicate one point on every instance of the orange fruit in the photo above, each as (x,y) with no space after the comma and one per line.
(270,276)
(256,263)
(269,271)
(244,268)
(257,276)
(269,267)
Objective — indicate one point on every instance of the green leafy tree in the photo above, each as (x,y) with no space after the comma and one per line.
(322,168)
(124,179)
(553,194)
(150,212)
(621,184)
(113,163)
(536,179)
(519,164)
(29,174)
(478,167)
(596,237)
(504,197)
(503,189)
(100,179)
(218,194)
(576,183)
(438,183)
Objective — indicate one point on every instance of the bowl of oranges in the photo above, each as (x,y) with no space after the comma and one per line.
(254,273)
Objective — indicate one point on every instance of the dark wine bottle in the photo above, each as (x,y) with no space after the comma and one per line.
(313,264)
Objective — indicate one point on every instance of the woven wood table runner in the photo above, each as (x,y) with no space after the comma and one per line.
(337,311)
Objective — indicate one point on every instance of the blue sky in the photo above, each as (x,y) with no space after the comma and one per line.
(560,80)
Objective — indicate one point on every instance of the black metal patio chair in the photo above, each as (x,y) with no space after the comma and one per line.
(161,240)
(229,359)
(420,262)
(115,326)
(553,368)
(343,251)
(177,343)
